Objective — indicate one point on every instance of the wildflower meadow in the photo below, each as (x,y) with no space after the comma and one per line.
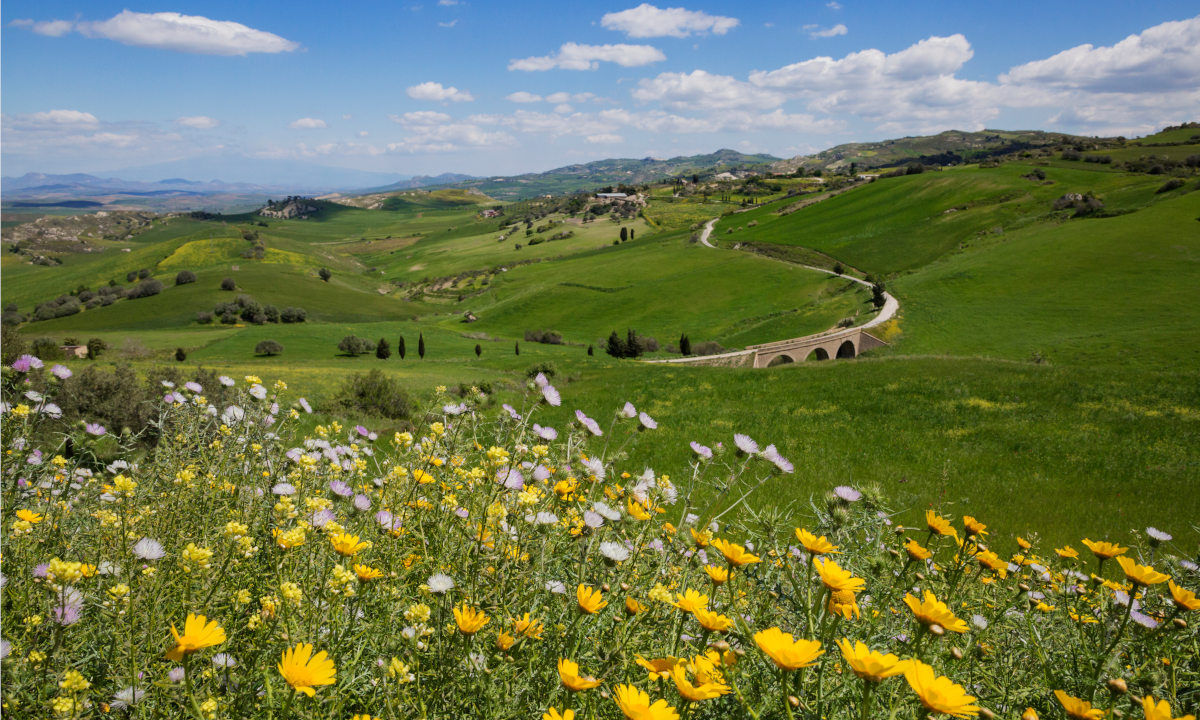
(249,564)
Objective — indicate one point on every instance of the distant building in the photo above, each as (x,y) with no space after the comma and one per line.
(491,213)
(725,176)
(79,351)
(612,196)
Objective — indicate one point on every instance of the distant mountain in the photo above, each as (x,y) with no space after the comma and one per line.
(421,181)
(945,148)
(292,175)
(586,176)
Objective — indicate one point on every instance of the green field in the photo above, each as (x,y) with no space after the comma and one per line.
(1044,372)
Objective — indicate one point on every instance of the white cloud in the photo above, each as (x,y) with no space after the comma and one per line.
(704,91)
(307,123)
(833,5)
(523,97)
(49,28)
(647,21)
(1163,57)
(450,24)
(438,93)
(172,31)
(198,122)
(449,3)
(63,117)
(930,57)
(834,31)
(421,117)
(575,56)
(604,139)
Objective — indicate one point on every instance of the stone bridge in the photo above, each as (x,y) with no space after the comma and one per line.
(829,345)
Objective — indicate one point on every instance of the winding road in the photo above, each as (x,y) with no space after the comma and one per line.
(891,306)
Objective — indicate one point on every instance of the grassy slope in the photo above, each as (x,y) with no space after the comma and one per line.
(896,224)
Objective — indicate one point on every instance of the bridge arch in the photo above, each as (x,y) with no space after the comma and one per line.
(781,359)
(846,350)
(818,354)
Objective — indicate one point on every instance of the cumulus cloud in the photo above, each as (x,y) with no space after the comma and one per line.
(706,91)
(815,32)
(604,139)
(438,93)
(647,21)
(434,132)
(62,117)
(308,123)
(575,56)
(1163,57)
(198,122)
(172,31)
(523,97)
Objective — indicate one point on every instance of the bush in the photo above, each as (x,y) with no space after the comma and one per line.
(546,337)
(383,350)
(546,368)
(204,318)
(46,349)
(354,345)
(145,288)
(143,273)
(293,315)
(183,277)
(374,393)
(62,306)
(228,284)
(95,347)
(708,347)
(1172,184)
(268,348)
(180,354)
(325,274)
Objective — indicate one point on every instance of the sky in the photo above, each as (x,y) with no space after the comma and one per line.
(490,88)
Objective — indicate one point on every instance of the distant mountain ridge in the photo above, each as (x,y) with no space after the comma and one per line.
(944,148)
(613,171)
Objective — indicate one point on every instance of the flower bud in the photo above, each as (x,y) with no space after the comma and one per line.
(893,552)
(1024,587)
(720,646)
(937,630)
(793,701)
(625,587)
(1117,686)
(605,586)
(986,714)
(921,577)
(957,653)
(1180,623)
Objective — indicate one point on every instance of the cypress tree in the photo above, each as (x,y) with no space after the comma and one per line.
(591,351)
(400,349)
(517,347)
(685,344)
(478,350)
(624,234)
(615,347)
(630,233)
(421,345)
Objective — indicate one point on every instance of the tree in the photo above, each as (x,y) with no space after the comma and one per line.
(180,355)
(478,350)
(517,347)
(228,284)
(624,234)
(695,179)
(615,347)
(633,348)
(325,274)
(268,348)
(877,295)
(630,233)
(591,351)
(293,315)
(421,345)
(183,277)
(685,344)
(383,351)
(354,345)
(95,346)
(401,350)
(839,269)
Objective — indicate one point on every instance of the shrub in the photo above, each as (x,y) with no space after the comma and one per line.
(383,350)
(268,348)
(145,288)
(546,368)
(293,315)
(46,349)
(354,345)
(325,274)
(204,318)
(271,313)
(143,273)
(183,277)
(374,393)
(1172,184)
(228,284)
(95,347)
(708,347)
(180,354)
(546,337)
(62,306)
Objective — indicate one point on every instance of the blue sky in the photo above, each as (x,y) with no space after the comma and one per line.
(506,87)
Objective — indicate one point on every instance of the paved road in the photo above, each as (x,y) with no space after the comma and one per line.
(890,305)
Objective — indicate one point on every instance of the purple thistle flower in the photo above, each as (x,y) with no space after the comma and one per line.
(362,431)
(779,461)
(629,411)
(512,413)
(512,478)
(62,372)
(305,406)
(545,433)
(701,450)
(540,380)
(321,518)
(175,675)
(66,614)
(745,444)
(647,421)
(362,503)
(462,512)
(551,396)
(193,386)
(41,570)
(541,473)
(340,488)
(94,429)
(592,426)
(847,493)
